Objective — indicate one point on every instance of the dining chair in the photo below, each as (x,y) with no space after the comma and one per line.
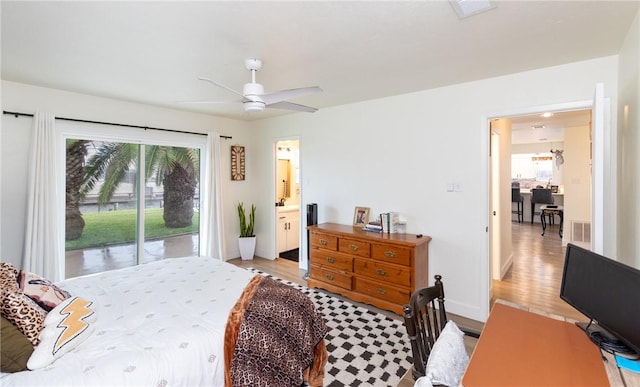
(516,197)
(540,196)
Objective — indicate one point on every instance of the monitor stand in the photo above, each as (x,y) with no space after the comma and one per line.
(606,340)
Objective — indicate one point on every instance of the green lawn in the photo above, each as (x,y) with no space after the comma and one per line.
(114,227)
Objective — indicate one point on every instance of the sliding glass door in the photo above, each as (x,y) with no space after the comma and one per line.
(128,202)
(172,203)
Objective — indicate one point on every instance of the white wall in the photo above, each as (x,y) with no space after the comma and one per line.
(399,153)
(629,147)
(390,154)
(15,136)
(577,174)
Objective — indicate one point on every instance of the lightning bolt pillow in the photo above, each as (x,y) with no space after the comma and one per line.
(65,327)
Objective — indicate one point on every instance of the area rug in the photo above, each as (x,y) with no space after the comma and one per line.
(365,348)
(292,255)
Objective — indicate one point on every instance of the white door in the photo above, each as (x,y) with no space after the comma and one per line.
(293,237)
(494,215)
(597,169)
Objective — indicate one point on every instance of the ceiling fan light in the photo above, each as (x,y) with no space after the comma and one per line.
(253,106)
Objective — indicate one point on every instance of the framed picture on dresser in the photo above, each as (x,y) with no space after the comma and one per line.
(361,216)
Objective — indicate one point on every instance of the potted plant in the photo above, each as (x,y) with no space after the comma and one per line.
(247,239)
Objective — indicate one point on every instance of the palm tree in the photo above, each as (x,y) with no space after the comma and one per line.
(74,223)
(175,168)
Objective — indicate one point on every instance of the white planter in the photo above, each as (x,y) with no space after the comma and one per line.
(247,247)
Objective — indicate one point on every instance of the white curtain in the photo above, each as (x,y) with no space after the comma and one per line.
(43,227)
(212,233)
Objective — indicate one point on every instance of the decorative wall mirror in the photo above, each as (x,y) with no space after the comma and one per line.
(237,162)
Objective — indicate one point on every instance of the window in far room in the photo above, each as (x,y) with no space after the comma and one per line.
(531,169)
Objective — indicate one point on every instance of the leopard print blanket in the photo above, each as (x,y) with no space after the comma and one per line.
(274,337)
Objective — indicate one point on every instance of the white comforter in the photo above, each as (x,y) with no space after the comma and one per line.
(158,324)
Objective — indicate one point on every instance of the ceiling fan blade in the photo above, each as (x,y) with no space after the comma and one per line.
(271,98)
(221,85)
(292,106)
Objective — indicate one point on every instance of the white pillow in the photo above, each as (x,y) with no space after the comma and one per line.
(448,359)
(65,327)
(423,381)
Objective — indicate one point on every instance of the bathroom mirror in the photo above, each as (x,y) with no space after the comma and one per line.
(287,181)
(283,179)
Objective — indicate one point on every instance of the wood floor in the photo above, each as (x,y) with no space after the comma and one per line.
(535,276)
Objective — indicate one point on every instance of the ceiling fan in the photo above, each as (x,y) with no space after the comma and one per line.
(254,98)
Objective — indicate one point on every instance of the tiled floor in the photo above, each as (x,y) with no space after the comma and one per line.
(95,260)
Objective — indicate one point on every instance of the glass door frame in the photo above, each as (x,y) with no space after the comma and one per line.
(102,132)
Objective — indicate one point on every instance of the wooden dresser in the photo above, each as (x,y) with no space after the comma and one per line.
(378,269)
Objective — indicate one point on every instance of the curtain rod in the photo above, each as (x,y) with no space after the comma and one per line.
(111,123)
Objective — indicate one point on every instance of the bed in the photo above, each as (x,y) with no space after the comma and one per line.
(169,323)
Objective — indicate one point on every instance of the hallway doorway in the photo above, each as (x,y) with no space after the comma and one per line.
(529,269)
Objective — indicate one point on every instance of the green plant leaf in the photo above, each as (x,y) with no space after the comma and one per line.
(246,229)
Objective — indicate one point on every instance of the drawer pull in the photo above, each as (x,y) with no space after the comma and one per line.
(331,260)
(389,254)
(381,291)
(353,247)
(323,242)
(329,277)
(381,272)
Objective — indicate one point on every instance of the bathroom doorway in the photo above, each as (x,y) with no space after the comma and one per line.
(287,193)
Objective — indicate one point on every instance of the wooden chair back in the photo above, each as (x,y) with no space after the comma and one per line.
(424,318)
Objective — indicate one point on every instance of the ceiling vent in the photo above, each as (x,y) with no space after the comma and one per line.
(466,8)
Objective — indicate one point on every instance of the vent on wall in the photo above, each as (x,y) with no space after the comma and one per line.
(580,231)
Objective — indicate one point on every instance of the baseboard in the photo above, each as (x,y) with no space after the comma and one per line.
(507,265)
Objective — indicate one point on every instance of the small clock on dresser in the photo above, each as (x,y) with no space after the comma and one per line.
(237,162)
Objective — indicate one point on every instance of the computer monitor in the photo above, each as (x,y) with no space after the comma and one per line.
(608,293)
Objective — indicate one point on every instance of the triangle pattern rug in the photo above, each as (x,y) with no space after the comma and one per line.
(365,348)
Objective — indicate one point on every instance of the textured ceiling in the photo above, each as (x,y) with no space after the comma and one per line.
(538,129)
(153,52)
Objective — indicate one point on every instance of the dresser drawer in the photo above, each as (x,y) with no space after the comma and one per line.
(383,291)
(333,260)
(356,247)
(384,272)
(332,277)
(324,241)
(392,254)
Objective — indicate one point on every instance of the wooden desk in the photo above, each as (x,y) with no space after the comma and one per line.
(521,348)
